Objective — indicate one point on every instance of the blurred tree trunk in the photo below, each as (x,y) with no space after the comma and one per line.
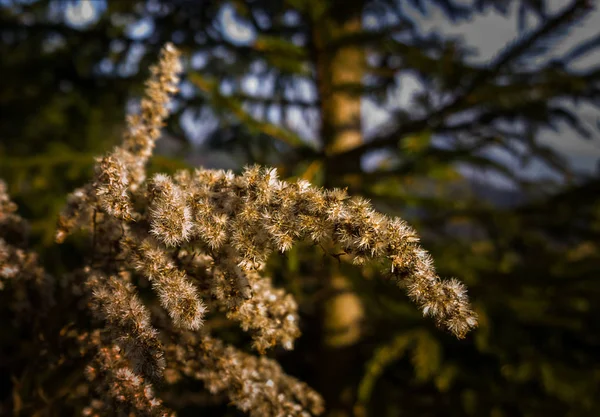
(338,70)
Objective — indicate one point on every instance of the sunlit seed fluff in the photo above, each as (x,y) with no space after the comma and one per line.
(180,299)
(145,129)
(111,187)
(235,222)
(170,217)
(120,387)
(270,313)
(261,214)
(138,141)
(32,288)
(116,301)
(255,385)
(176,294)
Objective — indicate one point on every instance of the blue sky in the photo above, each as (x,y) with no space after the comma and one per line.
(490,32)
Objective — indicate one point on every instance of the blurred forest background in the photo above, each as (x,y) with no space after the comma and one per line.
(384,98)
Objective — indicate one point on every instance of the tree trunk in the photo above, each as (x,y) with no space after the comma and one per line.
(340,131)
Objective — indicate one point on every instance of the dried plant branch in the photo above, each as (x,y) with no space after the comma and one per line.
(254,385)
(201,239)
(120,387)
(30,285)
